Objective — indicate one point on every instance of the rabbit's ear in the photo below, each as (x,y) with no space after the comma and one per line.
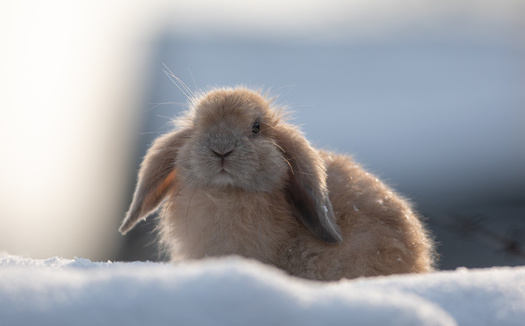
(156,176)
(307,184)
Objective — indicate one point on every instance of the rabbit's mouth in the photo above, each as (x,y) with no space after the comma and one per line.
(223,178)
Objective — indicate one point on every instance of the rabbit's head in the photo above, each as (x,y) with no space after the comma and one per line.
(234,140)
(233,143)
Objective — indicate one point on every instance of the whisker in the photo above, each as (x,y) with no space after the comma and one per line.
(181,188)
(156,105)
(288,161)
(278,146)
(150,133)
(193,79)
(290,87)
(179,83)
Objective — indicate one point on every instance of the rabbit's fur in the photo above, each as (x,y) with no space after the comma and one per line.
(235,179)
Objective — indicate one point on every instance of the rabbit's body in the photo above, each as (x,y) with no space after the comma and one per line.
(216,222)
(265,193)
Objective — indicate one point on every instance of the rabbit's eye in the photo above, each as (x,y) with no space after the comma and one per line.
(256,127)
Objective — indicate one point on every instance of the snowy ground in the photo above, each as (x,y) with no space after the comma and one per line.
(234,291)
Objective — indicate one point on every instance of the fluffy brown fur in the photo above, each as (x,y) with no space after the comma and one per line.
(236,179)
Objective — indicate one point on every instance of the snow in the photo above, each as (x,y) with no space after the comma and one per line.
(235,291)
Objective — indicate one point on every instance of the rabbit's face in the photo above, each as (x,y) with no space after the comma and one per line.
(232,144)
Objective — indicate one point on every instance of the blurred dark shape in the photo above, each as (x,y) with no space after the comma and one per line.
(495,237)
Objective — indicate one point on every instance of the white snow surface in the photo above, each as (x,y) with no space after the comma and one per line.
(236,291)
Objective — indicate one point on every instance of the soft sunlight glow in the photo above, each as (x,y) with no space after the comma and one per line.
(63,126)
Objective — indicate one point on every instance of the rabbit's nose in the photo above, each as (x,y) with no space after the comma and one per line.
(222,154)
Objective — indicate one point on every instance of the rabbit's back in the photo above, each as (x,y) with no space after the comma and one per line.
(381,233)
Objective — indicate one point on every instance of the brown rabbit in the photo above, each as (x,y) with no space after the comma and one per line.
(236,179)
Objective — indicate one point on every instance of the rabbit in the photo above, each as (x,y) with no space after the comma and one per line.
(235,178)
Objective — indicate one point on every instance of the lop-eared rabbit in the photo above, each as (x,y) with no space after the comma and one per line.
(235,178)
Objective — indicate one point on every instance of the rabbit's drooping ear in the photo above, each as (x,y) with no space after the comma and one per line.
(307,184)
(156,176)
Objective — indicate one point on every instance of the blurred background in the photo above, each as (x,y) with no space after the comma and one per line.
(429,95)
